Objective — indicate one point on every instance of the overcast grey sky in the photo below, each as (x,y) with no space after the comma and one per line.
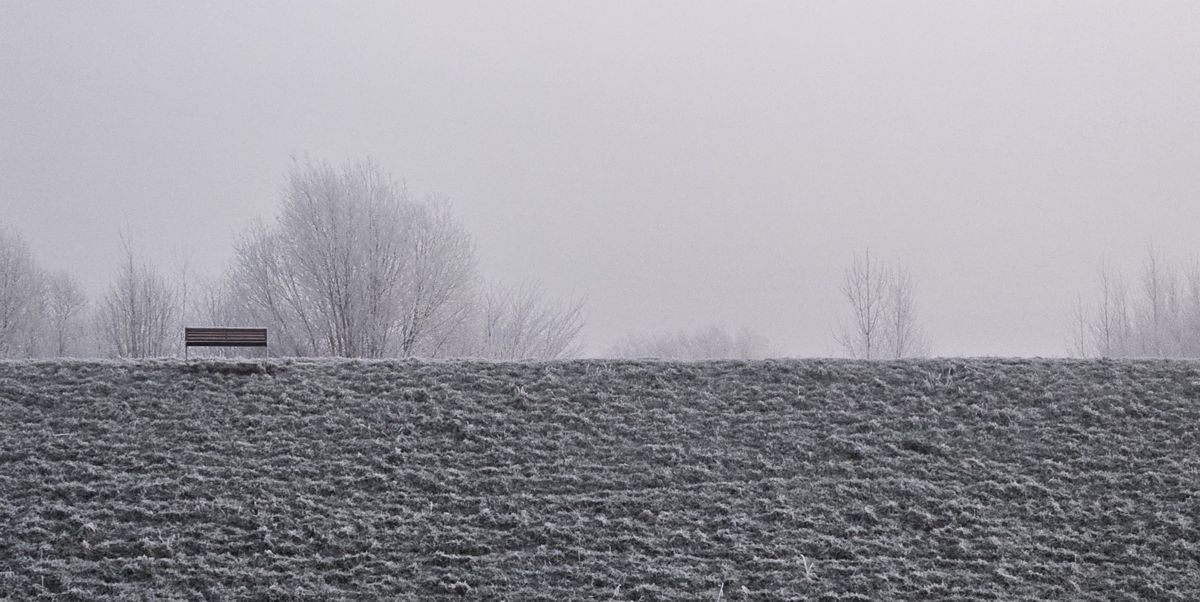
(680,163)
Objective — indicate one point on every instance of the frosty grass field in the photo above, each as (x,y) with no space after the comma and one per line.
(597,480)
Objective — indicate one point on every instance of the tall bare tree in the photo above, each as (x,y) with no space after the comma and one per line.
(1160,319)
(865,286)
(1109,329)
(21,294)
(883,319)
(1079,342)
(441,281)
(518,323)
(65,312)
(903,334)
(137,317)
(354,268)
(1190,319)
(1153,314)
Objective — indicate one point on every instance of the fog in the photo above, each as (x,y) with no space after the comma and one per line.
(680,164)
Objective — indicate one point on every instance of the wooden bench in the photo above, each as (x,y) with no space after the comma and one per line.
(223,337)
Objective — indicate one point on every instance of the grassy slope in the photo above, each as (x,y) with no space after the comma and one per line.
(988,479)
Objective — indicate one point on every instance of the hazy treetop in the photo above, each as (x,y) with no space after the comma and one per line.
(683,164)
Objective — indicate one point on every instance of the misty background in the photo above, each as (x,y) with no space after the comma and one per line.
(680,164)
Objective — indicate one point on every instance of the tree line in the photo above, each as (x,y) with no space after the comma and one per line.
(1154,313)
(881,321)
(41,312)
(353,266)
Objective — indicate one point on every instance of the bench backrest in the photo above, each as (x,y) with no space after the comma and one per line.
(225,337)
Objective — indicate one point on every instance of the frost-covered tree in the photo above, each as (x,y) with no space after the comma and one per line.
(41,313)
(138,316)
(865,286)
(65,314)
(440,287)
(902,334)
(1158,317)
(213,304)
(883,319)
(516,324)
(353,268)
(1108,331)
(714,342)
(1153,313)
(21,295)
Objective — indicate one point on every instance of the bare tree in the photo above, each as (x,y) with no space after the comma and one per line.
(184,286)
(1190,319)
(902,334)
(1153,312)
(1109,328)
(325,234)
(21,295)
(1078,342)
(883,315)
(517,324)
(138,315)
(65,310)
(441,281)
(213,303)
(714,342)
(866,287)
(264,288)
(32,337)
(1162,320)
(353,268)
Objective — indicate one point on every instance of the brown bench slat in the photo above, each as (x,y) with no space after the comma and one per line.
(220,337)
(225,337)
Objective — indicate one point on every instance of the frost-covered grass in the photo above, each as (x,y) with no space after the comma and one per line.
(948,479)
